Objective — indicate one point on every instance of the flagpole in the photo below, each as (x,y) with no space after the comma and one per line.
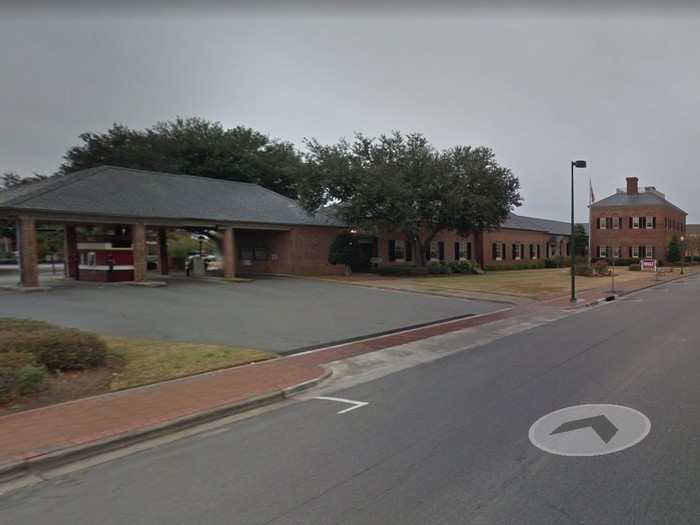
(591,199)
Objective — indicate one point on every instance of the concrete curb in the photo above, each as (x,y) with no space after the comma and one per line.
(17,469)
(614,296)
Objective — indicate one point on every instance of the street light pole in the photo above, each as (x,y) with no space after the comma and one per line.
(682,252)
(572,246)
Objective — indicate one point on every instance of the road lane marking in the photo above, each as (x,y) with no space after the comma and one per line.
(356,404)
(589,430)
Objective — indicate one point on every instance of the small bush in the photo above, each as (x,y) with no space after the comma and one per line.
(461,267)
(584,271)
(600,267)
(439,268)
(635,267)
(16,359)
(20,381)
(520,266)
(402,270)
(54,347)
(551,263)
(22,325)
(30,379)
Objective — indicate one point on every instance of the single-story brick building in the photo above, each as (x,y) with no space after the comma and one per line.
(107,211)
(518,242)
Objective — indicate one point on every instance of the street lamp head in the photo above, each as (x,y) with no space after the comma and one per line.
(579,163)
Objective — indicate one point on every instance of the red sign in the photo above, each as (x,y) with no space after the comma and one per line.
(649,265)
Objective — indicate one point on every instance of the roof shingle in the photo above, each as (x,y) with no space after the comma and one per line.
(125,192)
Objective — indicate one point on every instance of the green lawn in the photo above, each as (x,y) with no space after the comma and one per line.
(533,284)
(150,361)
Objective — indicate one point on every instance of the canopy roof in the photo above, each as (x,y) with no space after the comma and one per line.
(112,191)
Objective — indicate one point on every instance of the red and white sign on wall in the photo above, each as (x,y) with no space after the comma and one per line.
(648,265)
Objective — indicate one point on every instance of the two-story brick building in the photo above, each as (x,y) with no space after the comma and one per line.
(634,223)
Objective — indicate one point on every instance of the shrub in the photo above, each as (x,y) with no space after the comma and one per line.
(600,267)
(635,267)
(16,359)
(551,263)
(402,270)
(54,347)
(461,267)
(584,271)
(30,379)
(22,325)
(20,381)
(439,268)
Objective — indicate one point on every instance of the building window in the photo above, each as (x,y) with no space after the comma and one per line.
(650,222)
(434,254)
(617,252)
(617,223)
(517,254)
(469,250)
(497,251)
(538,254)
(532,252)
(400,251)
(635,252)
(649,252)
(635,223)
(461,250)
(603,252)
(603,223)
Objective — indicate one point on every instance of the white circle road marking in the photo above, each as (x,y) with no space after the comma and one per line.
(589,430)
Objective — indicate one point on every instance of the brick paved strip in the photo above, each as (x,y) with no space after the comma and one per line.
(30,434)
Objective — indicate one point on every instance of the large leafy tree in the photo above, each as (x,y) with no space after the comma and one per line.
(193,146)
(580,239)
(402,183)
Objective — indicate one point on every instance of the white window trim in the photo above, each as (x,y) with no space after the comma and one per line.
(650,223)
(603,223)
(635,223)
(648,252)
(635,249)
(500,248)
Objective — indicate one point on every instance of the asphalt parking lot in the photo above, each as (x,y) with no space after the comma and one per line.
(268,313)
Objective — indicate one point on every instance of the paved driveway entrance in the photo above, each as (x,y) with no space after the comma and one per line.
(268,313)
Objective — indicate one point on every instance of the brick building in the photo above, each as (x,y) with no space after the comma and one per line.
(107,213)
(634,223)
(518,242)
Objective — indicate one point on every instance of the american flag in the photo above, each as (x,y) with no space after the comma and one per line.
(591,195)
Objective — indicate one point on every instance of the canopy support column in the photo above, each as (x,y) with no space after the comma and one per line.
(229,249)
(138,242)
(28,252)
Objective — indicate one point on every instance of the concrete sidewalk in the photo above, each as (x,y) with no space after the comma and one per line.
(78,428)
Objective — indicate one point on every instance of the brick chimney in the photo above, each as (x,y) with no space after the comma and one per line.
(632,185)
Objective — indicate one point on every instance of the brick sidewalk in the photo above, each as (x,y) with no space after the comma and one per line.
(35,433)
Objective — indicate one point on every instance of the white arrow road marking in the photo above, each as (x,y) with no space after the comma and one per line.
(356,404)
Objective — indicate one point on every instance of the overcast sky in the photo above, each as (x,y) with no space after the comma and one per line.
(619,88)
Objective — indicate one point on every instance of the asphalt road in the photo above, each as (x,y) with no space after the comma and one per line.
(268,313)
(442,443)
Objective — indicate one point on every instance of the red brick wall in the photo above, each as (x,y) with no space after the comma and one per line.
(522,237)
(447,237)
(300,251)
(625,237)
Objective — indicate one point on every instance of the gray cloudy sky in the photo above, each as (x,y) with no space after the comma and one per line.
(619,88)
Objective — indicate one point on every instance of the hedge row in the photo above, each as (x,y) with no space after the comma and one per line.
(434,268)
